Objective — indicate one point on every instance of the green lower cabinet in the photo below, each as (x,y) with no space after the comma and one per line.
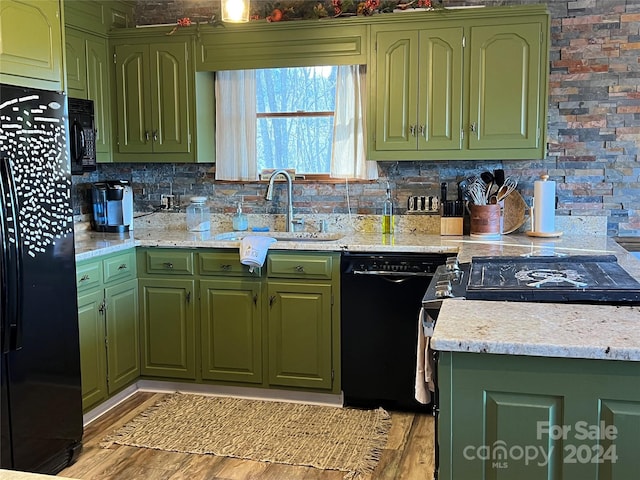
(92,348)
(167,313)
(508,417)
(300,334)
(231,330)
(123,352)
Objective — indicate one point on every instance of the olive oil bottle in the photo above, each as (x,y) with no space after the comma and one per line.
(387,213)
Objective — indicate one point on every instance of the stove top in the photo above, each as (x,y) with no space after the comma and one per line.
(596,279)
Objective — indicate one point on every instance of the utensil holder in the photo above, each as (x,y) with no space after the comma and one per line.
(485,220)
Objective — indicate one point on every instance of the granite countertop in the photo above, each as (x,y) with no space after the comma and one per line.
(540,330)
(578,331)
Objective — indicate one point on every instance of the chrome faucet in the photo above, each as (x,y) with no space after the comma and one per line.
(269,195)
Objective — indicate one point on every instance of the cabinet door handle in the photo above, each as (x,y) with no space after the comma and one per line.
(189,297)
(474,127)
(422,131)
(168,265)
(255,300)
(155,135)
(412,130)
(102,307)
(146,135)
(299,268)
(272,299)
(85,277)
(225,267)
(122,267)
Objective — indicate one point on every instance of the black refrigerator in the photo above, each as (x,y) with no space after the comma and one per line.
(41,399)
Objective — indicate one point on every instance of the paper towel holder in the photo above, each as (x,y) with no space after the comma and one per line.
(532,213)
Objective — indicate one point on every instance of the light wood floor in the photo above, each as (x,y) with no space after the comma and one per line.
(407,456)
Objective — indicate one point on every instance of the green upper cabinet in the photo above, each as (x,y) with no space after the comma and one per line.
(99,16)
(505,87)
(286,44)
(76,64)
(470,89)
(99,90)
(88,77)
(418,95)
(31,44)
(153,93)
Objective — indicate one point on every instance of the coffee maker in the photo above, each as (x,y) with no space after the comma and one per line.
(112,206)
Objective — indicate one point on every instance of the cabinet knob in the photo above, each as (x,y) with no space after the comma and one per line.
(122,267)
(299,268)
(225,267)
(168,265)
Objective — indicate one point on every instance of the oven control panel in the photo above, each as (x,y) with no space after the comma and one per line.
(449,281)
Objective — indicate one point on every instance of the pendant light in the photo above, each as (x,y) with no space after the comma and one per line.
(235,11)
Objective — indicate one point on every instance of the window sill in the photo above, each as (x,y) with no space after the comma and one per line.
(308,179)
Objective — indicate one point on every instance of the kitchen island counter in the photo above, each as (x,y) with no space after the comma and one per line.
(539,329)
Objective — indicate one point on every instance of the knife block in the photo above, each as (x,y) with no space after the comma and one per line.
(451,225)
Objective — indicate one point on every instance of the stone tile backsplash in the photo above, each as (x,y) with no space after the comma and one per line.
(593,135)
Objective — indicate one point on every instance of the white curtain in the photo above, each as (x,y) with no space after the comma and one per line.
(236,125)
(349,154)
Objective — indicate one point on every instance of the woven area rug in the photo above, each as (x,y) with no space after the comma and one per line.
(344,439)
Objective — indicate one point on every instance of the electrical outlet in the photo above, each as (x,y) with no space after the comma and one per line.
(167,201)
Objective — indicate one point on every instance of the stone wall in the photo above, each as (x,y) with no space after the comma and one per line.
(593,131)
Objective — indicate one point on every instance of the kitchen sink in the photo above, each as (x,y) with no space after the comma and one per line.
(281,236)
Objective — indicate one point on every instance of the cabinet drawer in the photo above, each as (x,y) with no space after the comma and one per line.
(121,267)
(89,276)
(299,266)
(170,262)
(224,264)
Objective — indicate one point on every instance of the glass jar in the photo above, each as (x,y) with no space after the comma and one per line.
(198,215)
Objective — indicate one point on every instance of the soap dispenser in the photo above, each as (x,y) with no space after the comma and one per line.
(240,222)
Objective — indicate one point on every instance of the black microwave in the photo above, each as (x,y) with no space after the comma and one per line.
(82,136)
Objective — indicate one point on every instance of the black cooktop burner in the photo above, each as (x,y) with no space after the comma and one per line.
(576,279)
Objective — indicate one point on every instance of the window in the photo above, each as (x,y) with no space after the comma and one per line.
(294,116)
(310,119)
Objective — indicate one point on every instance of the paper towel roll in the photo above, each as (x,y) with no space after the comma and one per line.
(544,205)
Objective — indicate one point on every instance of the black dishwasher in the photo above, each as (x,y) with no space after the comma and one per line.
(381,297)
